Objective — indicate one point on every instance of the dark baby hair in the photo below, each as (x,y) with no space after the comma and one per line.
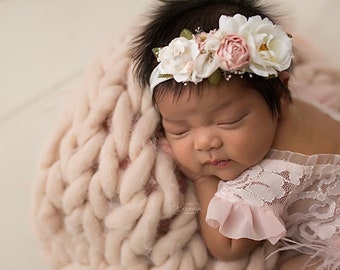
(170,17)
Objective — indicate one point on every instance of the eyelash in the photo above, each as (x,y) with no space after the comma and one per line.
(226,124)
(229,123)
(232,122)
(179,134)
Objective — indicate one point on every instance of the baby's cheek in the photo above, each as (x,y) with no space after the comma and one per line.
(183,157)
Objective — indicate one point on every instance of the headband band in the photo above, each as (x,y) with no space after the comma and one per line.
(240,45)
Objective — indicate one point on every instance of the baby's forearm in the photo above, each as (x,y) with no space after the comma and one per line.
(220,247)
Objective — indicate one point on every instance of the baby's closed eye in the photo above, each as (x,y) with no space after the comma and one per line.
(178,133)
(232,122)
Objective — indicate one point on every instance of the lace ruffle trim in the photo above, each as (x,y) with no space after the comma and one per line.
(237,220)
(301,159)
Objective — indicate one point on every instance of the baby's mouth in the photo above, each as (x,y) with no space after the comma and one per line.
(218,163)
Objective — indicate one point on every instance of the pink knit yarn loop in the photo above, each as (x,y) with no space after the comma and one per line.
(91,208)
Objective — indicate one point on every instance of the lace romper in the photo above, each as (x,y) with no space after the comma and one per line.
(288,198)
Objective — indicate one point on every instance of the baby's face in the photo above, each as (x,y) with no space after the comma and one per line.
(222,131)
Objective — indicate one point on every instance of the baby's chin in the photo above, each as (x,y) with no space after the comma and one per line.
(228,176)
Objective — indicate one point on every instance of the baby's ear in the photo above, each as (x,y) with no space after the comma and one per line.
(284,77)
(165,146)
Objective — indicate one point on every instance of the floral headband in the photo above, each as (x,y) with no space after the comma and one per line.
(240,45)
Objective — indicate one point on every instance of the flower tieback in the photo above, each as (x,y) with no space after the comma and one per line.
(240,45)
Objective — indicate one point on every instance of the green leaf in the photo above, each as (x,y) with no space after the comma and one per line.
(156,51)
(272,76)
(187,34)
(215,77)
(165,76)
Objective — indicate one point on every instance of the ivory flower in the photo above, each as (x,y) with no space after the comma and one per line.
(270,47)
(205,65)
(231,25)
(178,59)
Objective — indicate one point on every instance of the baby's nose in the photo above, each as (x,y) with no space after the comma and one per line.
(206,139)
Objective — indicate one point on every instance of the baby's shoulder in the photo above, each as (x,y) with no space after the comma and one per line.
(308,129)
(322,129)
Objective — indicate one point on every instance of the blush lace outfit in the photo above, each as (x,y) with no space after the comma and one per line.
(287,198)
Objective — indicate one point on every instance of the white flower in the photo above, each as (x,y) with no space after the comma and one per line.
(213,41)
(231,25)
(205,64)
(185,61)
(178,59)
(269,45)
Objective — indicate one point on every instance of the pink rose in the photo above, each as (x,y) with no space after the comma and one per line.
(233,53)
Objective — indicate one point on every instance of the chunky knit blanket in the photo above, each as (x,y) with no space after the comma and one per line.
(105,196)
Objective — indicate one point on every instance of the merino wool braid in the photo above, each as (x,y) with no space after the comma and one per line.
(105,196)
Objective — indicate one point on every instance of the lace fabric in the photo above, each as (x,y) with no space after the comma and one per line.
(287,196)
